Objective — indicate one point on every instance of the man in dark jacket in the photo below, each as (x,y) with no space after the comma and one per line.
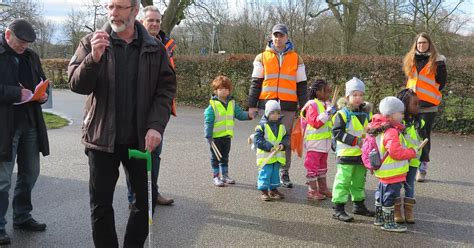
(22,129)
(130,84)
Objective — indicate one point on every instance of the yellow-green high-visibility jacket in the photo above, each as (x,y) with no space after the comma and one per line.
(414,140)
(314,134)
(224,118)
(354,128)
(275,140)
(391,167)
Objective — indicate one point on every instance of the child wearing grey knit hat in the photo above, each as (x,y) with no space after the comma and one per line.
(392,107)
(348,132)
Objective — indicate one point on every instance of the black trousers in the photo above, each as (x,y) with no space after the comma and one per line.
(426,133)
(104,172)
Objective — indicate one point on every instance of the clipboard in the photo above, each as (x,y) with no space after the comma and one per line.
(40,90)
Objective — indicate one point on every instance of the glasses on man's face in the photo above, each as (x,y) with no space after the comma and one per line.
(111,7)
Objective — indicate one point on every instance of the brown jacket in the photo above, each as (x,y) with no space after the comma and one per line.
(156,87)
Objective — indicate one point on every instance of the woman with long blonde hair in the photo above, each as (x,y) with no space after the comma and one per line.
(425,70)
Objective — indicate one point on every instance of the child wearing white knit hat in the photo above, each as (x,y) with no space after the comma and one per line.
(392,146)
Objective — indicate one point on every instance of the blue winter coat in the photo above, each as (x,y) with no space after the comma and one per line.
(259,139)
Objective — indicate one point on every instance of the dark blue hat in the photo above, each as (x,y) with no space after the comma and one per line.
(23,30)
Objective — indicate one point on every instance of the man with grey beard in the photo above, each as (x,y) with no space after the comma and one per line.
(130,85)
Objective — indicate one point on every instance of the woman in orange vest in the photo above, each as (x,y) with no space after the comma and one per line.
(425,70)
(279,74)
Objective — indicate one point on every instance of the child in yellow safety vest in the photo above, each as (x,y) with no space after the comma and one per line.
(348,130)
(317,125)
(270,141)
(413,123)
(392,147)
(219,128)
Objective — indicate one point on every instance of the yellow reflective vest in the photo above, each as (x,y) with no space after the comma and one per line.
(354,128)
(391,167)
(275,140)
(224,118)
(414,140)
(321,133)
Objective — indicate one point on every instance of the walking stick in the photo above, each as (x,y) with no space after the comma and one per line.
(216,151)
(334,96)
(423,144)
(146,156)
(270,156)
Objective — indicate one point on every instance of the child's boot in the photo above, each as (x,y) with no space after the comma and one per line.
(421,174)
(313,192)
(359,208)
(408,205)
(378,215)
(323,188)
(265,196)
(389,224)
(275,194)
(398,210)
(340,214)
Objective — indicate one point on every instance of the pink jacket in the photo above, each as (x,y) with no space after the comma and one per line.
(391,141)
(317,120)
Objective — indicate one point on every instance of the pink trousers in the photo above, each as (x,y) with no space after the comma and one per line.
(316,164)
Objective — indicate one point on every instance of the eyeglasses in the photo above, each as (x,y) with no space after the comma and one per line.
(117,7)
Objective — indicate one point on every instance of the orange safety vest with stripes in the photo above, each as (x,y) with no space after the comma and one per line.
(279,80)
(170,46)
(424,85)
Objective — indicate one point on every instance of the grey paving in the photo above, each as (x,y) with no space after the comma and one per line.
(206,216)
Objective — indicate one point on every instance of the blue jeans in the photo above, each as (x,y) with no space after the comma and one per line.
(155,171)
(409,184)
(269,177)
(223,144)
(25,150)
(386,193)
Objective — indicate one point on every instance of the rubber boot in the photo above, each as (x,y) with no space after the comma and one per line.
(389,224)
(360,209)
(398,210)
(323,188)
(408,205)
(340,214)
(379,220)
(313,192)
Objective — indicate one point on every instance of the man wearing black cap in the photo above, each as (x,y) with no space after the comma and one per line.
(22,129)
(279,74)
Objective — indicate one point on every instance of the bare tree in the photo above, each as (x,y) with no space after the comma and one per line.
(45,30)
(75,28)
(346,13)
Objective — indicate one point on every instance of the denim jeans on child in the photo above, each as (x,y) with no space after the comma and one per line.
(269,177)
(386,193)
(25,151)
(409,185)
(223,144)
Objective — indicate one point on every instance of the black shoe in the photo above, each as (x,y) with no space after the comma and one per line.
(4,238)
(30,225)
(285,181)
(340,214)
(360,209)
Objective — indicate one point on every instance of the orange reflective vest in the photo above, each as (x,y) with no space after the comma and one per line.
(170,46)
(279,80)
(425,85)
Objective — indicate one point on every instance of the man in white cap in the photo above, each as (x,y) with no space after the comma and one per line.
(279,74)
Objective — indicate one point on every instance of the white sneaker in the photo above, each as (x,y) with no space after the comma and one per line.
(227,179)
(217,182)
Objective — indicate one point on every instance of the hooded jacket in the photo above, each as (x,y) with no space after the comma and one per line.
(259,139)
(391,131)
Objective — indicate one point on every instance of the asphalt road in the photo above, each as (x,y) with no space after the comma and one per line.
(234,216)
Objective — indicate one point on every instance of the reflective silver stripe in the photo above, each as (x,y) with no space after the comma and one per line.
(316,131)
(278,89)
(223,128)
(430,81)
(428,93)
(429,110)
(396,165)
(220,118)
(282,76)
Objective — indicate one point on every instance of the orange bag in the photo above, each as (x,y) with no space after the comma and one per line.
(297,138)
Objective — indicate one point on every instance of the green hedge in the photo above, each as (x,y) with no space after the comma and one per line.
(382,75)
